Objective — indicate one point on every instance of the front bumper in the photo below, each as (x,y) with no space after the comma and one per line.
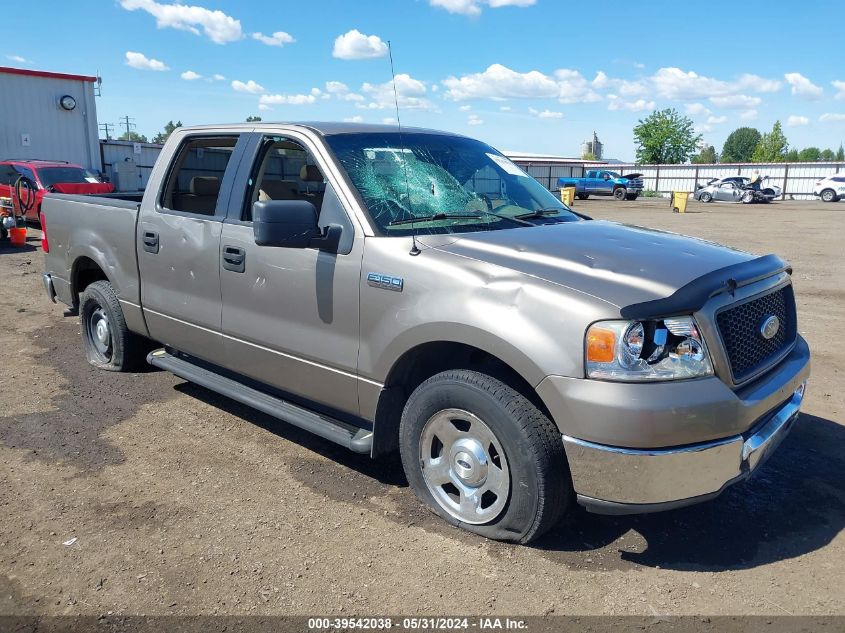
(47,278)
(647,447)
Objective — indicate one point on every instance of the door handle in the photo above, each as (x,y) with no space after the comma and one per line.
(150,239)
(234,259)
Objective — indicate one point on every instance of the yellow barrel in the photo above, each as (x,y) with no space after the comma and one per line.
(679,201)
(567,196)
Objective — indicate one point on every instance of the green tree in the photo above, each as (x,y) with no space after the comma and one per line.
(772,147)
(809,154)
(707,156)
(133,136)
(792,156)
(169,127)
(828,154)
(588,156)
(665,137)
(740,145)
(840,153)
(253,119)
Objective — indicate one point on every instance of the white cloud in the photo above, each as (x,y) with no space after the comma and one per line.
(500,82)
(354,119)
(736,101)
(355,45)
(465,108)
(410,92)
(217,26)
(716,120)
(279,38)
(264,107)
(674,83)
(250,86)
(218,77)
(703,128)
(474,119)
(505,108)
(473,7)
(389,120)
(574,88)
(17,58)
(623,87)
(190,75)
(341,91)
(795,120)
(840,86)
(639,105)
(748,115)
(696,108)
(142,62)
(832,116)
(287,99)
(803,87)
(545,114)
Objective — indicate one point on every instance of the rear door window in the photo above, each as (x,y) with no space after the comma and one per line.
(196,174)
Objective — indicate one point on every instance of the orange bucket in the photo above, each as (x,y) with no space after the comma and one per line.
(17,236)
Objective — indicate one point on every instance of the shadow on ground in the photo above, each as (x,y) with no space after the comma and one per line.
(793,505)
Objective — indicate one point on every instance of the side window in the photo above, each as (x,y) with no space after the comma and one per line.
(6,174)
(285,170)
(23,171)
(193,183)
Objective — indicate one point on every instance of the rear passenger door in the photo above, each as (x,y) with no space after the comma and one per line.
(290,315)
(179,244)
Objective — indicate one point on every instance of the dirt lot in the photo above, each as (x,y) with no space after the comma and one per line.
(181,501)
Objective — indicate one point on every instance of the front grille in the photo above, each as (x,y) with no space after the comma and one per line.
(747,350)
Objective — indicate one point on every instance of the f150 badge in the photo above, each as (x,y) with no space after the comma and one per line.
(387,282)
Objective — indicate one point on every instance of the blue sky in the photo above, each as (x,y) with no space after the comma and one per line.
(525,75)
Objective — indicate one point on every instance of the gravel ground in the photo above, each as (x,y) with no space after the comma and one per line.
(142,494)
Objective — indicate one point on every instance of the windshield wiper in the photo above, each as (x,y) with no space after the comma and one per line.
(538,213)
(454,216)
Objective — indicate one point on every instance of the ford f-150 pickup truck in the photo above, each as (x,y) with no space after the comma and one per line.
(600,182)
(418,292)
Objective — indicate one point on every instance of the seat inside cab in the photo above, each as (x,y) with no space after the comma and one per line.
(286,171)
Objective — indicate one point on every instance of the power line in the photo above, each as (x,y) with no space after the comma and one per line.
(128,123)
(107,129)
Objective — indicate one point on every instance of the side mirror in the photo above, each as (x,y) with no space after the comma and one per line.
(291,224)
(606,177)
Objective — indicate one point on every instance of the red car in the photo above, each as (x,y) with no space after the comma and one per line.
(49,176)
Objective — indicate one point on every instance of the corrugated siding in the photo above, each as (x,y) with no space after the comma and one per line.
(29,105)
(115,152)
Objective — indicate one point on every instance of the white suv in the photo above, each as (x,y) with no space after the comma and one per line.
(830,189)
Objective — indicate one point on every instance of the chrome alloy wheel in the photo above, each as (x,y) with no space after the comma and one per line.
(464,466)
(99,330)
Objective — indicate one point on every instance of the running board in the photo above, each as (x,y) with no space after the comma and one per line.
(353,438)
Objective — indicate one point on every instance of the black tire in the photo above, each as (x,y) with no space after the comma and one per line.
(706,197)
(532,446)
(631,196)
(583,196)
(829,195)
(124,351)
(620,193)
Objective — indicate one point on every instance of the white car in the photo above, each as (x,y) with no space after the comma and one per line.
(830,189)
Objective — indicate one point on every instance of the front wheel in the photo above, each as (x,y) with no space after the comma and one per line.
(620,193)
(631,196)
(706,197)
(747,197)
(829,195)
(483,457)
(583,196)
(107,340)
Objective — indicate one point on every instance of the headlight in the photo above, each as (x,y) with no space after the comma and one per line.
(633,351)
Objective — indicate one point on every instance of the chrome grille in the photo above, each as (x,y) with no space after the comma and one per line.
(747,350)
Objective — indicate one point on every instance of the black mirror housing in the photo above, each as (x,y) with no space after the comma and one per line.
(284,223)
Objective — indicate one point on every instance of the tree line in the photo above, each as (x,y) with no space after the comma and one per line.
(667,137)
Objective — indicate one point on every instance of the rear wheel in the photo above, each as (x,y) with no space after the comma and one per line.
(108,342)
(631,196)
(620,193)
(706,197)
(583,196)
(829,195)
(483,457)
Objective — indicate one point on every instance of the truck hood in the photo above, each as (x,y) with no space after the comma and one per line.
(617,263)
(632,176)
(83,187)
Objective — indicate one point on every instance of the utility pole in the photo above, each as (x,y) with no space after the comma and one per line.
(107,129)
(128,122)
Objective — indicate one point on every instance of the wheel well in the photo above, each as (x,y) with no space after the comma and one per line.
(85,272)
(421,363)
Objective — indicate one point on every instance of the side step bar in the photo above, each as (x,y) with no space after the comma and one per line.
(355,439)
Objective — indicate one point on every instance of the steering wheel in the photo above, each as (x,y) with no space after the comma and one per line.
(24,204)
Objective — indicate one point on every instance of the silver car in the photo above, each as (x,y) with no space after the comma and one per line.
(730,189)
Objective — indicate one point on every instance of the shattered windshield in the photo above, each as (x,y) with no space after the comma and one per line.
(437,183)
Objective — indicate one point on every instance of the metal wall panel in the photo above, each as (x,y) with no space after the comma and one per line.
(29,105)
(115,152)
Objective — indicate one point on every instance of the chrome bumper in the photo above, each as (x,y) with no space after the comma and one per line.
(612,480)
(48,286)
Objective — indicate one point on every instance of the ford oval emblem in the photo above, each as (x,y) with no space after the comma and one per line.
(769,327)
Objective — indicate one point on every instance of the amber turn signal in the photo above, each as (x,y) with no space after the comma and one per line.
(601,345)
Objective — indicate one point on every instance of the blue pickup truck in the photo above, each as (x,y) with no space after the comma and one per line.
(601,182)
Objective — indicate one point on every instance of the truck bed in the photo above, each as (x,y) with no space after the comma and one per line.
(101,228)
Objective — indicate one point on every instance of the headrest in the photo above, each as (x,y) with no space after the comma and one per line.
(310,173)
(278,190)
(205,185)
